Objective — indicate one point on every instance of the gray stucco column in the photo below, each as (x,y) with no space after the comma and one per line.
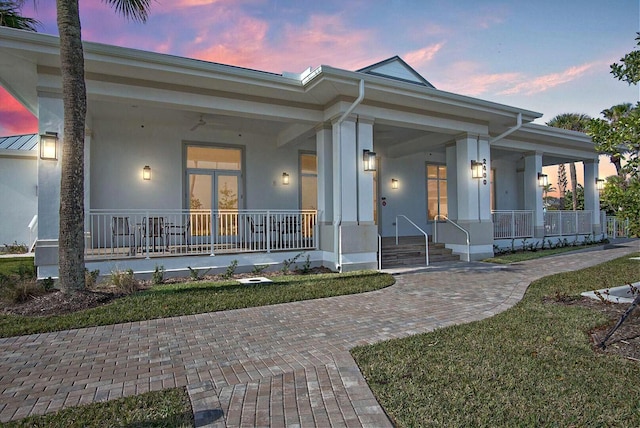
(533,192)
(469,199)
(591,194)
(324,152)
(50,119)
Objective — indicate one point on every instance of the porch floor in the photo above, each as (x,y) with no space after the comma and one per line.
(265,365)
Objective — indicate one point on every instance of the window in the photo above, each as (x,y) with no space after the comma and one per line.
(308,181)
(436,191)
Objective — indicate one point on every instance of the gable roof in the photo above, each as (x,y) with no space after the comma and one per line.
(396,68)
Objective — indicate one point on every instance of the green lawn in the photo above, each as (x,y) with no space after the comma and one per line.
(163,301)
(532,365)
(521,256)
(170,408)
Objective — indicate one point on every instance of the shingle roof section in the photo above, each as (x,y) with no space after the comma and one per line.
(19,142)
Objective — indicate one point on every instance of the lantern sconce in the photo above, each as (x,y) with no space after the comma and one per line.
(146,173)
(369,160)
(543,180)
(285,179)
(49,146)
(394,183)
(599,184)
(477,169)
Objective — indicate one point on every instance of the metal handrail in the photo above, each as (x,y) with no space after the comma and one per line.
(426,237)
(33,232)
(435,228)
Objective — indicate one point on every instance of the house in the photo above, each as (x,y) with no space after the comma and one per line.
(18,190)
(196,164)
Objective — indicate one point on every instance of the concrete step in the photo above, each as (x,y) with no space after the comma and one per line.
(410,251)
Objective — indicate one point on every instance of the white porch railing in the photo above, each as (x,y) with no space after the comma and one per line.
(149,233)
(512,224)
(559,223)
(33,232)
(519,224)
(617,228)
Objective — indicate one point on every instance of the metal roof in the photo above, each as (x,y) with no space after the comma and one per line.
(19,142)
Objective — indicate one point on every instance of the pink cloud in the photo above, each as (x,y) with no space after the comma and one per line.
(548,81)
(320,40)
(420,57)
(466,77)
(14,118)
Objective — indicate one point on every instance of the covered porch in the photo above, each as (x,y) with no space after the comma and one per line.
(190,163)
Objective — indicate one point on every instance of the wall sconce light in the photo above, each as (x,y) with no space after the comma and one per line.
(146,172)
(369,160)
(599,184)
(285,178)
(477,169)
(49,146)
(543,180)
(394,183)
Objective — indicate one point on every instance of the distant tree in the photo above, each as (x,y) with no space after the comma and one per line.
(574,122)
(578,202)
(548,188)
(628,70)
(619,135)
(10,16)
(562,182)
(621,198)
(614,115)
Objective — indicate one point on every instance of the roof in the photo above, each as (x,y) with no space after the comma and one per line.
(23,143)
(396,68)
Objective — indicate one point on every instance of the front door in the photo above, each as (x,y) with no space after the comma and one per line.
(214,193)
(219,192)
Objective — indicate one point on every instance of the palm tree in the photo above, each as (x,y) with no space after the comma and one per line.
(546,189)
(10,16)
(573,122)
(74,98)
(613,115)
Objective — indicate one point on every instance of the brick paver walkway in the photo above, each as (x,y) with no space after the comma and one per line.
(281,365)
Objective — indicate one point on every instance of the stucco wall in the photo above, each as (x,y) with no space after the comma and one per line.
(410,197)
(18,198)
(119,151)
(506,185)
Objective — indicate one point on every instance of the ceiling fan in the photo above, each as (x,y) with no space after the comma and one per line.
(200,123)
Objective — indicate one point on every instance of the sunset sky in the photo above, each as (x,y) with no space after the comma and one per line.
(548,56)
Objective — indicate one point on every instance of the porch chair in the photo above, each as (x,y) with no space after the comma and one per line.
(153,229)
(120,227)
(289,228)
(256,230)
(183,230)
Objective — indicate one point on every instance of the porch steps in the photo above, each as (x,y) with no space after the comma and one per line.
(410,251)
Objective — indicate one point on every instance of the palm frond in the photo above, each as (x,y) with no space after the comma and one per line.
(136,10)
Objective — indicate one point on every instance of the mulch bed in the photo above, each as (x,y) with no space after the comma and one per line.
(625,342)
(58,303)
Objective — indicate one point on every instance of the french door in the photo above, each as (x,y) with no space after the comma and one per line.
(218,191)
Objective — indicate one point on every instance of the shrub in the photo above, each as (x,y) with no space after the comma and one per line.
(91,277)
(15,248)
(158,275)
(125,282)
(231,269)
(23,290)
(258,269)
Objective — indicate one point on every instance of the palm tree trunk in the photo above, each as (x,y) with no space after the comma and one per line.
(574,184)
(71,237)
(615,160)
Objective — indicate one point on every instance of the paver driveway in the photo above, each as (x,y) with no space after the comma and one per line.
(281,365)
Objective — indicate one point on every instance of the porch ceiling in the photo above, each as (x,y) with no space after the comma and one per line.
(188,121)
